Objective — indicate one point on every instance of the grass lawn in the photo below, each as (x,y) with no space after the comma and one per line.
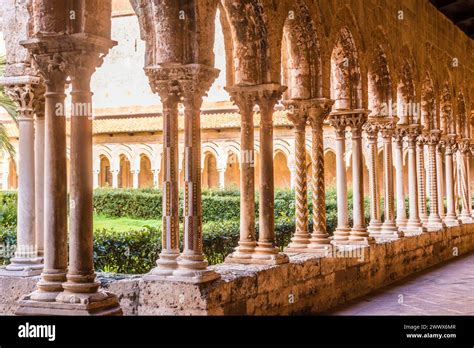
(123,223)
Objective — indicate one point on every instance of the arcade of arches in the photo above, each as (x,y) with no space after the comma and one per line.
(251,94)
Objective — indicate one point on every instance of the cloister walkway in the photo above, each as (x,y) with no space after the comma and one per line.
(447,289)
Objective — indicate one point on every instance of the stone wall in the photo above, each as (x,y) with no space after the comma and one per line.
(307,285)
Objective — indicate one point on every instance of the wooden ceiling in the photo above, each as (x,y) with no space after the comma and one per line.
(460,12)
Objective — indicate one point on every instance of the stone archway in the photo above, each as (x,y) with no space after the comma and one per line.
(232,172)
(105,178)
(145,177)
(210,175)
(281,171)
(125,179)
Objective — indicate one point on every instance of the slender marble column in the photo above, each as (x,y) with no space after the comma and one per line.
(115,178)
(194,82)
(434,220)
(81,283)
(52,67)
(341,234)
(95,176)
(221,172)
(266,245)
(401,219)
(440,148)
(245,99)
(414,223)
(298,116)
(451,218)
(463,180)
(26,261)
(389,227)
(318,112)
(39,177)
(420,165)
(167,261)
(135,178)
(359,233)
(375,225)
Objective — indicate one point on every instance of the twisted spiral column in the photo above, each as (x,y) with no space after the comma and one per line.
(420,165)
(300,239)
(317,115)
(440,149)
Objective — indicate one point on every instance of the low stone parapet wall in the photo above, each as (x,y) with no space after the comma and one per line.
(309,284)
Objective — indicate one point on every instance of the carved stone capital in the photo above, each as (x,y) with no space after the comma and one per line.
(464,146)
(26,92)
(296,113)
(451,144)
(433,137)
(398,135)
(371,131)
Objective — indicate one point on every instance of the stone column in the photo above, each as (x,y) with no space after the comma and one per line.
(341,234)
(451,218)
(389,227)
(375,225)
(135,178)
(245,99)
(434,221)
(267,249)
(221,172)
(39,176)
(463,180)
(81,286)
(52,67)
(115,174)
(440,148)
(95,176)
(359,233)
(26,261)
(420,165)
(414,223)
(195,81)
(298,116)
(156,180)
(318,112)
(167,261)
(401,219)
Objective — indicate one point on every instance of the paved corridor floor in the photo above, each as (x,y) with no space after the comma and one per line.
(447,289)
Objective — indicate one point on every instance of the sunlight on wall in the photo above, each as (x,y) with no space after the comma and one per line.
(217,92)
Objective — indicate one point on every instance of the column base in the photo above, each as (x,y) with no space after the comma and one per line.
(401,223)
(300,241)
(341,234)
(451,220)
(390,230)
(184,276)
(23,267)
(374,228)
(435,225)
(23,271)
(413,227)
(167,263)
(465,218)
(259,258)
(100,303)
(311,248)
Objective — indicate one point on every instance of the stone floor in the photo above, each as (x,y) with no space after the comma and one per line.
(447,289)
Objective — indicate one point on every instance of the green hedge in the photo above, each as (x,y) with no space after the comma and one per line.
(136,251)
